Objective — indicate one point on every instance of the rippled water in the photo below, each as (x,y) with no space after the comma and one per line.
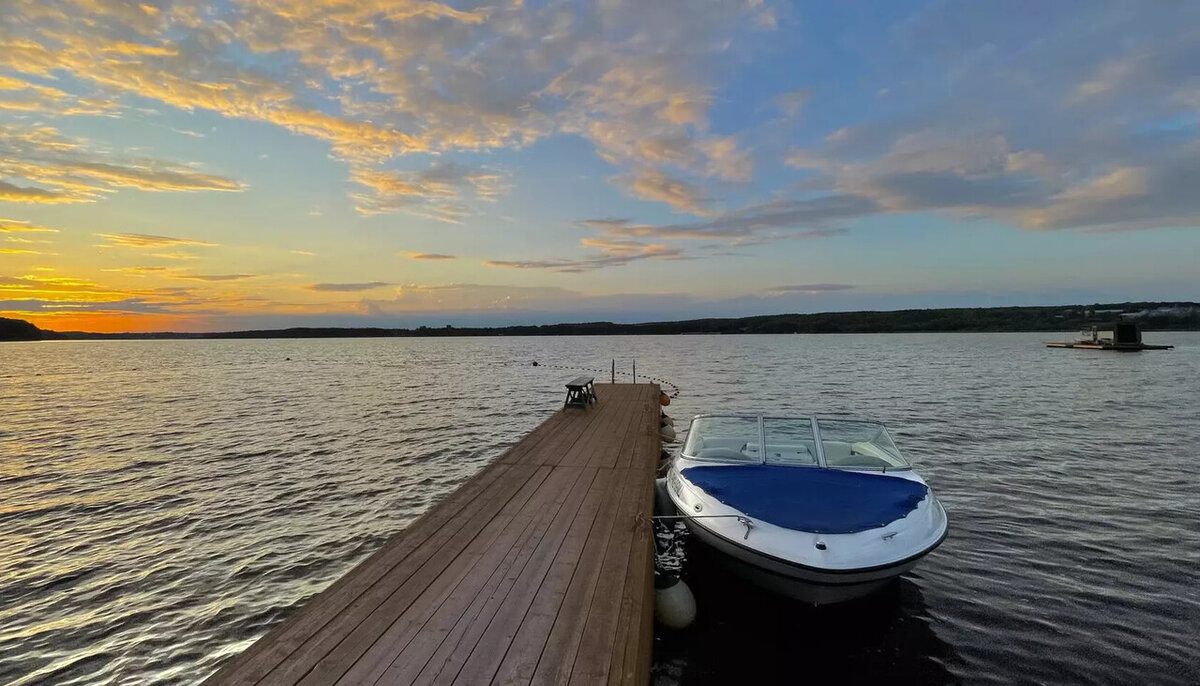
(164,503)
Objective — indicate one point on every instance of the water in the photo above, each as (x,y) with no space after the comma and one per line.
(167,502)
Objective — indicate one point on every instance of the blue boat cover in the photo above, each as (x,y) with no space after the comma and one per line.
(823,501)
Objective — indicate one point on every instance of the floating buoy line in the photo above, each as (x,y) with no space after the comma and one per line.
(672,393)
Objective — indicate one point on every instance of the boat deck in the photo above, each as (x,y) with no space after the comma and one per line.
(539,569)
(1120,347)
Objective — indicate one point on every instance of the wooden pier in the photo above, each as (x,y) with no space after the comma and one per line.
(539,569)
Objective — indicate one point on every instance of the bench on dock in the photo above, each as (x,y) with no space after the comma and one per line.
(580,391)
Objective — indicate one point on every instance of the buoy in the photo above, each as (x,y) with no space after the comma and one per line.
(667,433)
(667,421)
(664,399)
(535,363)
(674,604)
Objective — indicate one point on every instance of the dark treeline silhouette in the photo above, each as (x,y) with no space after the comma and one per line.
(1150,315)
(18,330)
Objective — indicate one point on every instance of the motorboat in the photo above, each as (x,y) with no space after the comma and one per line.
(821,509)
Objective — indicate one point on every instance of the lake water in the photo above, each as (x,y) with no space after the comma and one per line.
(164,503)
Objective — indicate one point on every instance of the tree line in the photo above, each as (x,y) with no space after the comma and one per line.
(1150,315)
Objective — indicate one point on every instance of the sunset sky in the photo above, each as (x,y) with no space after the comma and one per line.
(265,163)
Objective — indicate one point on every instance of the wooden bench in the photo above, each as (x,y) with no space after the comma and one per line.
(580,392)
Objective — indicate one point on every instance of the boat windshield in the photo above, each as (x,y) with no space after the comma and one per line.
(789,441)
(857,444)
(843,443)
(722,439)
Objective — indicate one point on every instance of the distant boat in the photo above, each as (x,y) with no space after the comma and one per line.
(1120,336)
(827,512)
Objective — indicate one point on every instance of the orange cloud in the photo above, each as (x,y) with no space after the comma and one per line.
(427,256)
(144,240)
(378,79)
(18,226)
(66,171)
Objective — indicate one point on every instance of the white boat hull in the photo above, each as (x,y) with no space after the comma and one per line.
(806,584)
(814,568)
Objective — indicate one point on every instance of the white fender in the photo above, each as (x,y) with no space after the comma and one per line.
(674,604)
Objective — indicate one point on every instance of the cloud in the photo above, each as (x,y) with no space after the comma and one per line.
(473,297)
(125,306)
(146,175)
(613,253)
(380,80)
(17,226)
(29,194)
(427,256)
(791,103)
(653,184)
(18,251)
(1087,121)
(440,192)
(347,287)
(175,255)
(994,116)
(623,240)
(647,112)
(66,171)
(143,240)
(1033,189)
(20,95)
(810,288)
(139,271)
(213,277)
(305,253)
(1126,198)
(61,288)
(921,190)
(803,218)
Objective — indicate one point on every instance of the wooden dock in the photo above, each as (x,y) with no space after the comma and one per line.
(539,569)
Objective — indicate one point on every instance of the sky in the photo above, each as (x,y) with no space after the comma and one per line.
(243,164)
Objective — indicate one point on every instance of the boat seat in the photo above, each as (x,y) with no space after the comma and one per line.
(838,453)
(793,454)
(722,454)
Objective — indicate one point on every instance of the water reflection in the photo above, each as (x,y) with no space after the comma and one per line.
(164,503)
(742,631)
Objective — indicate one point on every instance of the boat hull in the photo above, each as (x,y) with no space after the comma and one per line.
(806,584)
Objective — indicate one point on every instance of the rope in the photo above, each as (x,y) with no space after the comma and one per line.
(661,382)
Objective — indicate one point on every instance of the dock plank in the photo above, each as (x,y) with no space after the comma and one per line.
(526,649)
(348,592)
(350,647)
(594,660)
(562,645)
(536,570)
(466,575)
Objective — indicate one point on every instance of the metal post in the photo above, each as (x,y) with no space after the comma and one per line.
(614,370)
(635,371)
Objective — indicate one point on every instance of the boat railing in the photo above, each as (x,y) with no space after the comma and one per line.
(749,523)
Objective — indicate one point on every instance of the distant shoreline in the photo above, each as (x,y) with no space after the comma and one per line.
(1152,316)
